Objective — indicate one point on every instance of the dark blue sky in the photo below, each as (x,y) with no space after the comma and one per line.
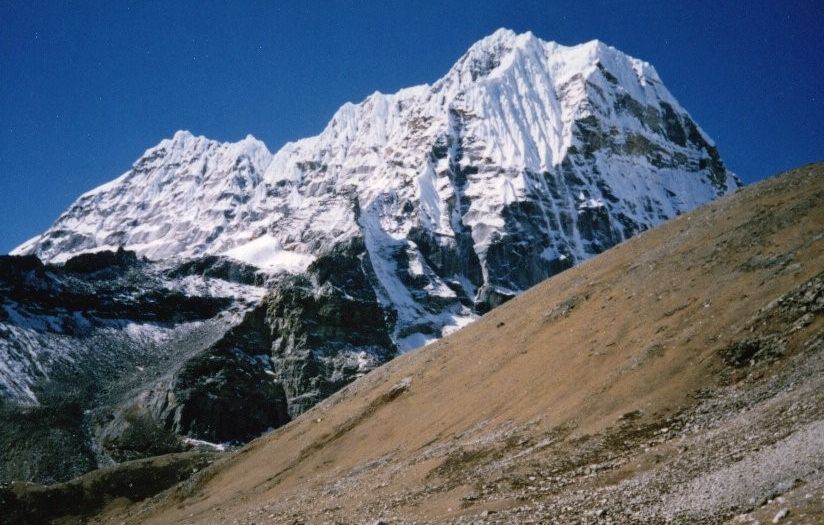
(86,87)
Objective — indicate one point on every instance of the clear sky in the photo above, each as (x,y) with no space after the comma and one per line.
(86,87)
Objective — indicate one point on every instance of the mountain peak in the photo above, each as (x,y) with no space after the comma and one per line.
(504,50)
(499,36)
(182,134)
(488,53)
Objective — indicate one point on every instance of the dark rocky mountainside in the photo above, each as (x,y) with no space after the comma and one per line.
(137,357)
(127,357)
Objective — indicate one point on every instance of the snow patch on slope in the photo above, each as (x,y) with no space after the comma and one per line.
(267,253)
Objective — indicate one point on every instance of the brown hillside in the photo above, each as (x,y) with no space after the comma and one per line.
(677,376)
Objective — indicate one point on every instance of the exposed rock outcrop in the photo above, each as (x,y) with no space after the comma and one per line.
(327,327)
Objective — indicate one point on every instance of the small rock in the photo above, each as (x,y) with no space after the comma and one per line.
(780,515)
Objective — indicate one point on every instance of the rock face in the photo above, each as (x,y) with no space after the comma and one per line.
(110,358)
(225,393)
(245,286)
(327,326)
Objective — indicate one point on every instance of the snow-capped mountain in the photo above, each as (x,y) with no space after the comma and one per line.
(412,213)
(526,157)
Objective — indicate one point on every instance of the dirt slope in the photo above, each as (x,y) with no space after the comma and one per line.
(679,376)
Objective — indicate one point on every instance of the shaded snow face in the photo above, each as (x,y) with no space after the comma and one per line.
(525,158)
